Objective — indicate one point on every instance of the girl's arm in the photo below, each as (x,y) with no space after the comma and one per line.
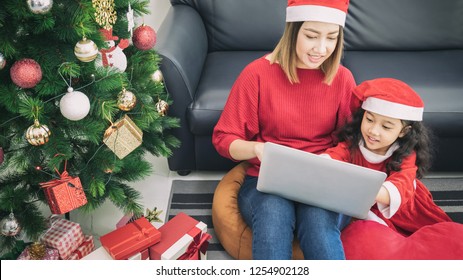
(383,196)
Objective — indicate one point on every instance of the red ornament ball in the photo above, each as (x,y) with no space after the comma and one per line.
(144,37)
(26,73)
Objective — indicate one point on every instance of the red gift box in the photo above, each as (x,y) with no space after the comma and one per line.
(130,239)
(84,249)
(64,194)
(50,254)
(64,235)
(183,238)
(143,255)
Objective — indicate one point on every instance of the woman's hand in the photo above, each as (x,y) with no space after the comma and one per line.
(259,150)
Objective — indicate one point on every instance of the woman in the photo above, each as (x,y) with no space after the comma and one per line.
(297,96)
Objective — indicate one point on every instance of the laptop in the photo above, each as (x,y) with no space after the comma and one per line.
(319,181)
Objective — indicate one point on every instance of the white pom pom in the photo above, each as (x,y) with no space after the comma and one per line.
(74,105)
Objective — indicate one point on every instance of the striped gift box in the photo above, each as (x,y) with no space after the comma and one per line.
(64,235)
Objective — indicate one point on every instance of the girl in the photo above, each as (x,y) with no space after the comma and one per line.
(296,96)
(387,134)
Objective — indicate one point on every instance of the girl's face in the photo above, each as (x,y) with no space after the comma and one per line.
(316,41)
(380,132)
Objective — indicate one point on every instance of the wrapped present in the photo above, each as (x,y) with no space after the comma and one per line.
(143,255)
(183,238)
(50,254)
(64,235)
(64,194)
(84,249)
(127,219)
(130,239)
(123,137)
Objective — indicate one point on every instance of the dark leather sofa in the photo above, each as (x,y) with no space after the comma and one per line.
(204,44)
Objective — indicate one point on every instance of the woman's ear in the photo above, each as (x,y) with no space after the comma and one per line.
(404,131)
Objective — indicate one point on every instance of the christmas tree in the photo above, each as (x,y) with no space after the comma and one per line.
(79,104)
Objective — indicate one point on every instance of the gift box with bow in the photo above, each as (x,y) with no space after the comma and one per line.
(63,235)
(84,248)
(183,238)
(123,137)
(130,239)
(50,254)
(64,194)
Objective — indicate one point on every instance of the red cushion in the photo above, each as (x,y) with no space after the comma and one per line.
(368,240)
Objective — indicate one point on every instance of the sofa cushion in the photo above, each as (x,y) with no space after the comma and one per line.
(240,25)
(404,25)
(219,73)
(440,85)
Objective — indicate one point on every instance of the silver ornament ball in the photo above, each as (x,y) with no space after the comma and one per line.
(10,225)
(2,61)
(40,6)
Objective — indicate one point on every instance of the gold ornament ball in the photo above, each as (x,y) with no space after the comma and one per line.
(40,6)
(10,226)
(126,100)
(86,50)
(162,107)
(37,134)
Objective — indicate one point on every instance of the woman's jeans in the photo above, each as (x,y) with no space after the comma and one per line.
(274,220)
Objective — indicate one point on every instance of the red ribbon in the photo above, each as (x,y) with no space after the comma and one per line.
(198,246)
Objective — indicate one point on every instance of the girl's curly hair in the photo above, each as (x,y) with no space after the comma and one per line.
(418,139)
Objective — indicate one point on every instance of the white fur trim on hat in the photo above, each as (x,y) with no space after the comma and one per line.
(393,109)
(315,13)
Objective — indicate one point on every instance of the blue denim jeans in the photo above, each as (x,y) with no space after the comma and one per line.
(274,220)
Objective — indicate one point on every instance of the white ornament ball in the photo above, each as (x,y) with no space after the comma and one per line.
(74,105)
(157,76)
(40,6)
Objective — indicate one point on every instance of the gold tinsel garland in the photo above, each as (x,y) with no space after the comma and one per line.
(105,15)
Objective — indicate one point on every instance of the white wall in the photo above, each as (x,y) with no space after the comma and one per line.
(158,12)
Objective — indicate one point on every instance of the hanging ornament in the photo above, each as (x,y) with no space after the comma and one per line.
(162,107)
(157,76)
(105,15)
(74,105)
(1,155)
(10,225)
(126,100)
(26,73)
(37,134)
(40,6)
(113,56)
(144,37)
(86,50)
(37,251)
(130,20)
(2,61)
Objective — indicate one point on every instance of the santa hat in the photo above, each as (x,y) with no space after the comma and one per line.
(108,34)
(330,11)
(391,98)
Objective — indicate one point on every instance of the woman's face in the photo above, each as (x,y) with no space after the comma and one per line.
(316,41)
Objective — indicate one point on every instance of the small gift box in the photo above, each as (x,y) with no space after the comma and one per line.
(84,249)
(50,254)
(123,137)
(183,238)
(63,235)
(130,239)
(64,194)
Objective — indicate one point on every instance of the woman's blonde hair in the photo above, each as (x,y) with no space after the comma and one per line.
(285,54)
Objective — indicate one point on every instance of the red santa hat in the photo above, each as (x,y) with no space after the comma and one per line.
(108,34)
(330,11)
(391,98)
